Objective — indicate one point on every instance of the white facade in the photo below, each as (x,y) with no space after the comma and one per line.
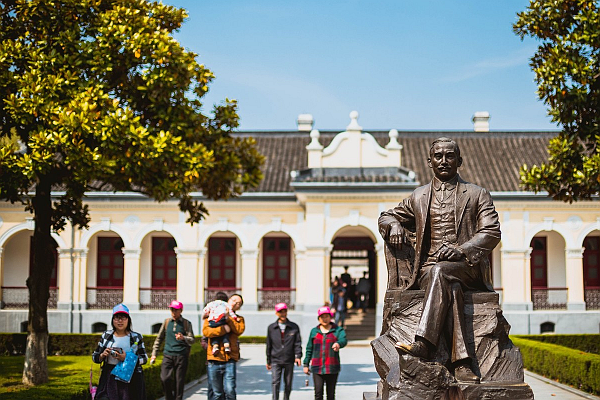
(313,217)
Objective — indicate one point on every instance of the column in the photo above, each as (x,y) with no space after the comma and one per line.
(575,294)
(516,279)
(66,266)
(249,278)
(312,288)
(201,277)
(299,264)
(382,278)
(80,278)
(1,276)
(131,278)
(187,278)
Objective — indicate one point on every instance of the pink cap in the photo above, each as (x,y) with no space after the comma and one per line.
(324,310)
(176,305)
(280,306)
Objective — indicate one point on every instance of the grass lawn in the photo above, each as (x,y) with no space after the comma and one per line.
(68,375)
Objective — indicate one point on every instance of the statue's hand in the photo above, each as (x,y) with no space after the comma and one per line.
(451,254)
(396,236)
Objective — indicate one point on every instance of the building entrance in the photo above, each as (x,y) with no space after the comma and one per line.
(353,258)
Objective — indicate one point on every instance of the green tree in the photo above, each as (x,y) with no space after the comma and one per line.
(98,95)
(567,71)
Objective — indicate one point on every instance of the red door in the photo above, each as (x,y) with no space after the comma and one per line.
(221,262)
(164,262)
(591,255)
(539,263)
(110,262)
(276,263)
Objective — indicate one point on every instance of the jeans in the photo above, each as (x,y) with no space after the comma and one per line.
(287,370)
(340,318)
(221,376)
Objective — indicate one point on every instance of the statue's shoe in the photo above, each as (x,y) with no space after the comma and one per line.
(464,373)
(415,349)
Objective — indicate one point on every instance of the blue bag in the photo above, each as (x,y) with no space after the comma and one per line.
(123,371)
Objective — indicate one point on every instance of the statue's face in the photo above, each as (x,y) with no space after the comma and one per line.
(444,161)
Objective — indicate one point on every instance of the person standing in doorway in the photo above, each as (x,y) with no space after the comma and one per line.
(341,308)
(362,291)
(178,336)
(323,354)
(284,349)
(222,365)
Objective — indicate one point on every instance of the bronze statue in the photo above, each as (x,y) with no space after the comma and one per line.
(452,226)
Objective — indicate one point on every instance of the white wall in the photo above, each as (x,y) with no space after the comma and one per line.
(16,259)
(557,276)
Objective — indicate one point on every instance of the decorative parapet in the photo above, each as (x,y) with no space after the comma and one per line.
(354,148)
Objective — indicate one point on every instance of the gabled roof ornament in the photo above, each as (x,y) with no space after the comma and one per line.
(314,142)
(354,126)
(393,144)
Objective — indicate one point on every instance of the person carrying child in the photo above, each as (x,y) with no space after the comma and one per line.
(217,312)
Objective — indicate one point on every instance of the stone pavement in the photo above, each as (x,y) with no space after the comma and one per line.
(358,375)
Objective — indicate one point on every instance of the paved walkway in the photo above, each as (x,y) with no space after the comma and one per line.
(358,375)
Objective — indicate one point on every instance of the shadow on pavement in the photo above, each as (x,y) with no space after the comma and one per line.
(256,380)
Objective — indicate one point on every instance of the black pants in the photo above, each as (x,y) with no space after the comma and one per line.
(321,379)
(288,374)
(172,375)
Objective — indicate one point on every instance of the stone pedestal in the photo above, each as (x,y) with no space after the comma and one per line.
(497,361)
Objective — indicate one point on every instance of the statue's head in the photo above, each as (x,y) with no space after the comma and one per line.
(444,158)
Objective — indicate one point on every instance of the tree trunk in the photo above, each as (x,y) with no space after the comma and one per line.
(35,369)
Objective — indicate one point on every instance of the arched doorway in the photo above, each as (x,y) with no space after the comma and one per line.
(591,271)
(276,271)
(158,271)
(222,265)
(548,271)
(353,257)
(18,252)
(105,271)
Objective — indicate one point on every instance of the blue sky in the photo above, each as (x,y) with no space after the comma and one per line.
(408,65)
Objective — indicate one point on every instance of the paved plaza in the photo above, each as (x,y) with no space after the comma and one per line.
(358,375)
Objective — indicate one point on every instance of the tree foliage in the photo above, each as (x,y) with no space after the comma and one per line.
(98,95)
(567,71)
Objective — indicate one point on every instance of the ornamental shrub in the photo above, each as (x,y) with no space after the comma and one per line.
(64,344)
(568,366)
(589,343)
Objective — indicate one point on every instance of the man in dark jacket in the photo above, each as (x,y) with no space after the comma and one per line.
(284,348)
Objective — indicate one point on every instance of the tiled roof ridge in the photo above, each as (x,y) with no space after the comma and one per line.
(405,133)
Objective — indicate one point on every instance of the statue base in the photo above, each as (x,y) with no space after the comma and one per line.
(497,361)
(482,391)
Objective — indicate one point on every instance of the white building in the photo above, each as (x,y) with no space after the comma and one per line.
(315,211)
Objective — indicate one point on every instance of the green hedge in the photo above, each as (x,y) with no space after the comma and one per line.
(253,339)
(63,344)
(589,343)
(566,365)
(74,344)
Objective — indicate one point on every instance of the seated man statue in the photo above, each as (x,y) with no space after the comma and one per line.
(453,226)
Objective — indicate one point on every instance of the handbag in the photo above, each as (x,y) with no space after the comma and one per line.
(123,371)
